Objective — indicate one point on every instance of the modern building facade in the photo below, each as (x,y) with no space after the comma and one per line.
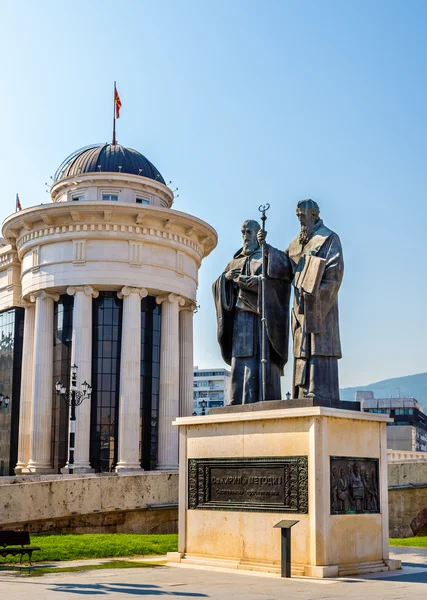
(409,428)
(103,277)
(211,389)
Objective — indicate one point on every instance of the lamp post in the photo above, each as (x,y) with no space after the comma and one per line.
(73,397)
(4,402)
(288,396)
(203,404)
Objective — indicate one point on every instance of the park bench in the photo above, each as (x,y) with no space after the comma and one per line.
(9,540)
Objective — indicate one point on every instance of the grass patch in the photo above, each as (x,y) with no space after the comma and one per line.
(97,545)
(112,564)
(416,542)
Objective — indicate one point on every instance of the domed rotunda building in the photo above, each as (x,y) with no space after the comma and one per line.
(105,278)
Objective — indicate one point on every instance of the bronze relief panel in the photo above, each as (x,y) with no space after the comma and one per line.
(354,485)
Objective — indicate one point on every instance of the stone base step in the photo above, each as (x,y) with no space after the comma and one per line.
(368,563)
(362,568)
(211,562)
(259,565)
(343,570)
(262,566)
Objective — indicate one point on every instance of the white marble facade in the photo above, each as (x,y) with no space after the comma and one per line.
(81,248)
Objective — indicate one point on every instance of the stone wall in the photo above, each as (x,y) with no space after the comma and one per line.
(129,503)
(144,503)
(407,498)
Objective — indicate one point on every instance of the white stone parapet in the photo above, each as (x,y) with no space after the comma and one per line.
(108,245)
(406,456)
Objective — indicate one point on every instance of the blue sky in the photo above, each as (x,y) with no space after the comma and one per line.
(241,103)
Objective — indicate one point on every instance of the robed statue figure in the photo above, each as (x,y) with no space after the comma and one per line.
(314,264)
(237,294)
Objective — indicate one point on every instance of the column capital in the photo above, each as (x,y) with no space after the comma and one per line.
(72,290)
(42,294)
(27,304)
(189,307)
(128,290)
(180,300)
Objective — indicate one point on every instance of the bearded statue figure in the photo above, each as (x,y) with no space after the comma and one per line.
(237,296)
(314,264)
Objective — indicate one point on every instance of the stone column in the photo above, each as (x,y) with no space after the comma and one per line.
(167,459)
(186,361)
(319,492)
(81,355)
(42,384)
(129,458)
(26,390)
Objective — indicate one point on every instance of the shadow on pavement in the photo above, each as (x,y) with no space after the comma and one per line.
(98,589)
(414,564)
(405,578)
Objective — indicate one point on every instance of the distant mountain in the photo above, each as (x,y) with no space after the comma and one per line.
(411,386)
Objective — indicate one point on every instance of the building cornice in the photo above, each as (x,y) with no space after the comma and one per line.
(95,219)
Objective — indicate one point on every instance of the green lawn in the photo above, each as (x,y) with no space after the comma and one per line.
(91,545)
(417,542)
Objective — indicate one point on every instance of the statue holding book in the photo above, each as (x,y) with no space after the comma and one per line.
(314,264)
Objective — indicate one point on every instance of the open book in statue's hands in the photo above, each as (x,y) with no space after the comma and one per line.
(312,273)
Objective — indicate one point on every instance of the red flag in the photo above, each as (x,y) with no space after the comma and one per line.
(117,102)
(18,203)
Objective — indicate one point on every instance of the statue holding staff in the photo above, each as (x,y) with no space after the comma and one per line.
(238,303)
(314,264)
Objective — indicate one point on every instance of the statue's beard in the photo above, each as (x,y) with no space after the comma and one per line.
(306,233)
(248,248)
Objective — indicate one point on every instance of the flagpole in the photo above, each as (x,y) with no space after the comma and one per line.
(114,115)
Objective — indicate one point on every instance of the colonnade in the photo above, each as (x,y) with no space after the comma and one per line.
(176,378)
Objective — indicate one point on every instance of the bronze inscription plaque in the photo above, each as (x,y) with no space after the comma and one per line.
(250,484)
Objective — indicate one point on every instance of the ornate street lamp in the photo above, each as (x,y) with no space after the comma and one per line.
(203,404)
(4,402)
(73,397)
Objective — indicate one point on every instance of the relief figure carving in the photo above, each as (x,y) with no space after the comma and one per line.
(354,485)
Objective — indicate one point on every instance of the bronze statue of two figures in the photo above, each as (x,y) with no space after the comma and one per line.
(253,294)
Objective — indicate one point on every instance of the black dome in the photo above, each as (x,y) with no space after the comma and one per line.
(106,158)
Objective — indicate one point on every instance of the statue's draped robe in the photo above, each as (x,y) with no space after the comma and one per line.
(315,326)
(238,309)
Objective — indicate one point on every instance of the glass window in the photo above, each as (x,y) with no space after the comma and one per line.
(11,329)
(78,197)
(150,379)
(107,318)
(110,197)
(62,336)
(142,201)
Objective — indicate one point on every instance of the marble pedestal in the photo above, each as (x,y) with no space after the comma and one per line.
(323,544)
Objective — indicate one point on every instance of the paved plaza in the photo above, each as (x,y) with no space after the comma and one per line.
(193,583)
